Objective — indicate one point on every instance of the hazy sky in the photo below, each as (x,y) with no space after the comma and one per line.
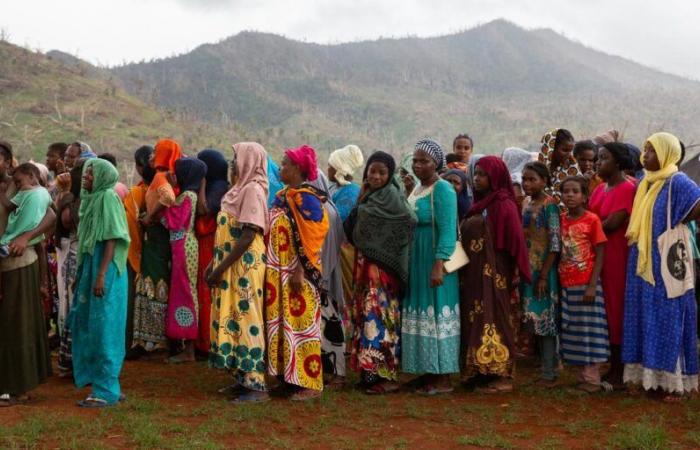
(660,33)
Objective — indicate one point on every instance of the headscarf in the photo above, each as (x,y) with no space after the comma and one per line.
(85,151)
(217,178)
(332,276)
(381,157)
(636,156)
(502,216)
(472,165)
(43,173)
(247,199)
(304,158)
(102,216)
(607,137)
(434,150)
(346,161)
(273,177)
(515,159)
(565,169)
(165,153)
(464,198)
(407,165)
(384,226)
(142,156)
(640,229)
(189,173)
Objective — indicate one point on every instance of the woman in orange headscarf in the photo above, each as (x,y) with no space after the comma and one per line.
(151,296)
(298,228)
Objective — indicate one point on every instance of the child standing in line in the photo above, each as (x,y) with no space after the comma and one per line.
(541,297)
(584,324)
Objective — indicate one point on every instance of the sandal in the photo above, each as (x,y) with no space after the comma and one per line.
(430,390)
(93,402)
(305,394)
(673,398)
(251,397)
(383,387)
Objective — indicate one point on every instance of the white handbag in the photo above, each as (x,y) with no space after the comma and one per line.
(676,256)
(459,257)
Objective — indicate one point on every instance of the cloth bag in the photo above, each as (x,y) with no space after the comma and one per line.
(459,257)
(675,250)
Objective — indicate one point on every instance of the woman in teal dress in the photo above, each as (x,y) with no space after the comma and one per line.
(430,314)
(98,313)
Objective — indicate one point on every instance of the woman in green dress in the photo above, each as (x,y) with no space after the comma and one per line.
(430,313)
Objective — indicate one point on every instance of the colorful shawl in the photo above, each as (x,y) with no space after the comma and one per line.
(247,199)
(304,158)
(102,216)
(502,213)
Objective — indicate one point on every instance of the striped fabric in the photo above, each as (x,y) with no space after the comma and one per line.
(584,327)
(435,150)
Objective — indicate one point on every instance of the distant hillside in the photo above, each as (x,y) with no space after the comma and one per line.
(502,84)
(44,99)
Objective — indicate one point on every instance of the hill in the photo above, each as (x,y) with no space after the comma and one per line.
(49,98)
(502,84)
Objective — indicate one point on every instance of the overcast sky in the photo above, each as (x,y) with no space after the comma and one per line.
(664,34)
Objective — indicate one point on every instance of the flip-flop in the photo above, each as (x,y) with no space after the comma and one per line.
(93,402)
(252,397)
(382,388)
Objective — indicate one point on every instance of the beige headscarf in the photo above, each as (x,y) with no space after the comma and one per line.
(607,137)
(247,199)
(346,161)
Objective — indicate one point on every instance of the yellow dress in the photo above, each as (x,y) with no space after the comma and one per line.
(237,310)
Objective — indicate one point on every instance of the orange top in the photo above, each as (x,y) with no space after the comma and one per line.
(134,203)
(312,221)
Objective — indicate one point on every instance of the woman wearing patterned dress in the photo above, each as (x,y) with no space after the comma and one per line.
(237,276)
(298,227)
(178,219)
(557,153)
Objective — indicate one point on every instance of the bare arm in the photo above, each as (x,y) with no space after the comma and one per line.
(107,255)
(541,285)
(615,221)
(241,246)
(589,296)
(202,207)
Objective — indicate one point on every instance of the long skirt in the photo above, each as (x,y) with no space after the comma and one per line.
(151,298)
(293,319)
(24,351)
(347,267)
(206,232)
(98,326)
(376,342)
(238,323)
(584,327)
(67,269)
(332,336)
(181,313)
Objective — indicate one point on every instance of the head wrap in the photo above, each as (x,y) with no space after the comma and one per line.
(464,198)
(564,169)
(636,157)
(85,151)
(434,150)
(165,154)
(189,173)
(639,231)
(304,158)
(43,173)
(515,159)
(384,225)
(381,157)
(346,161)
(407,165)
(332,275)
(102,216)
(503,216)
(247,199)
(472,165)
(142,157)
(273,177)
(217,178)
(607,137)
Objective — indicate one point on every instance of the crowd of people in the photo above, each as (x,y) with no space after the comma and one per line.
(287,276)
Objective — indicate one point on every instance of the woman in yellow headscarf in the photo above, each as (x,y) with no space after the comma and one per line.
(660,338)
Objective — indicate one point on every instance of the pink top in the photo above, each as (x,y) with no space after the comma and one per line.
(121,190)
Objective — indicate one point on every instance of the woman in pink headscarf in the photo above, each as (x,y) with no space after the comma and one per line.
(237,276)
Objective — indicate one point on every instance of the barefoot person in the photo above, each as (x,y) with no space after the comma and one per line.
(298,228)
(98,315)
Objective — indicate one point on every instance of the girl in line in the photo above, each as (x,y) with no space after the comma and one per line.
(540,299)
(557,153)
(584,325)
(178,219)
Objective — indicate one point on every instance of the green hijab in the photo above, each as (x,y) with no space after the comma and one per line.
(102,215)
(384,229)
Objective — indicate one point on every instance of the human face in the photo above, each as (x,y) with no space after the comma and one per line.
(423,165)
(533,183)
(289,173)
(463,148)
(650,158)
(23,181)
(586,161)
(377,175)
(456,182)
(331,174)
(72,155)
(52,157)
(572,195)
(88,179)
(607,166)
(481,181)
(562,150)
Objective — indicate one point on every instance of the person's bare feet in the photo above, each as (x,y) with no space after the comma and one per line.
(547,384)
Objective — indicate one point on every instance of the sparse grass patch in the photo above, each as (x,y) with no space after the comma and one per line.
(584,425)
(485,439)
(641,435)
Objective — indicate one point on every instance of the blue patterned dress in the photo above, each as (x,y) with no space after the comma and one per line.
(345,198)
(659,346)
(430,320)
